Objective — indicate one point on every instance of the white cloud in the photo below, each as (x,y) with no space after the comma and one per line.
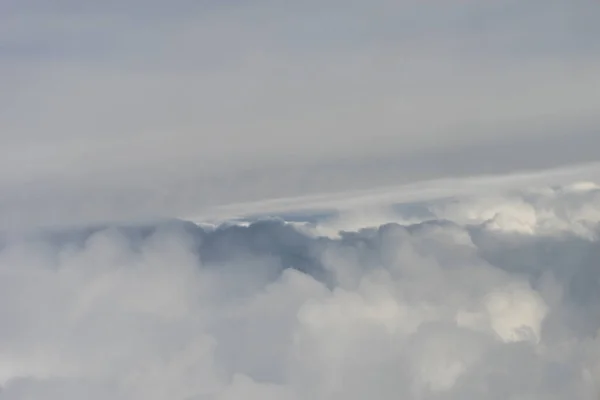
(446,308)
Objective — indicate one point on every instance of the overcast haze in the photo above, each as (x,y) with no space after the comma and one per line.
(137,99)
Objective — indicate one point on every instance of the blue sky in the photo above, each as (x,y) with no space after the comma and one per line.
(144,98)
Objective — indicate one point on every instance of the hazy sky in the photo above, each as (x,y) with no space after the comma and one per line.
(117,107)
(439,287)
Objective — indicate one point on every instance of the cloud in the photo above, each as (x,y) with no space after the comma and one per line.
(484,297)
(119,113)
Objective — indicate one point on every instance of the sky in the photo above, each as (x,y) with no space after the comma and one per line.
(299,200)
(115,110)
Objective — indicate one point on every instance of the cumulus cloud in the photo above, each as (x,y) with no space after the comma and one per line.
(479,297)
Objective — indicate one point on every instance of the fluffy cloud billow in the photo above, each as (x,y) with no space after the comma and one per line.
(460,298)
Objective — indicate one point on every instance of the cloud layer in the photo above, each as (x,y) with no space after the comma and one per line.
(492,297)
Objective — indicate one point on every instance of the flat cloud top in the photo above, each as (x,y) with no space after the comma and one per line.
(468,297)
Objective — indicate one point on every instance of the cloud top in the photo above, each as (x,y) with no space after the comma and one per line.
(484,297)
